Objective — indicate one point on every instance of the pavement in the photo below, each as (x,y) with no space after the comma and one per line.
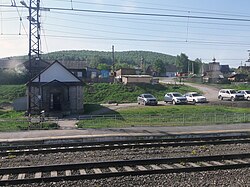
(68,131)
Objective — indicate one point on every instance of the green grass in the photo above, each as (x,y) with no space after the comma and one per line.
(15,121)
(180,109)
(104,92)
(10,92)
(10,114)
(170,116)
(21,125)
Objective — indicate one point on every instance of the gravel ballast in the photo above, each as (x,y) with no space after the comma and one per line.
(239,177)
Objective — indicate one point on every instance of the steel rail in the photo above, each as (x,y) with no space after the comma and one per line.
(91,146)
(175,165)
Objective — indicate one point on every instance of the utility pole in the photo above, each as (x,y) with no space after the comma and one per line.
(113,62)
(34,99)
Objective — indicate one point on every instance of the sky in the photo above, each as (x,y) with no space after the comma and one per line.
(204,29)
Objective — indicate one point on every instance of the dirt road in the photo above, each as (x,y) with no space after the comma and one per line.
(210,92)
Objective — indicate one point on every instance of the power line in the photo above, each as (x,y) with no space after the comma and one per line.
(140,14)
(157,9)
(151,40)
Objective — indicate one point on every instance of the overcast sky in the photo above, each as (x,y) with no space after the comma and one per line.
(198,28)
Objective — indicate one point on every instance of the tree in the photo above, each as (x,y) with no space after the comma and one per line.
(102,66)
(182,63)
(159,66)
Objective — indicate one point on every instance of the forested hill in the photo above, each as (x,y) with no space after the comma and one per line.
(130,58)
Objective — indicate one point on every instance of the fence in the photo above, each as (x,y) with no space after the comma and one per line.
(28,123)
(162,120)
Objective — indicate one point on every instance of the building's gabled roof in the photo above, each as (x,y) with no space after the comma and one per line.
(74,64)
(224,68)
(137,76)
(171,68)
(56,71)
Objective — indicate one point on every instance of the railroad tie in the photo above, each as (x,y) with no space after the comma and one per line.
(68,172)
(127,168)
(141,168)
(21,176)
(230,162)
(206,164)
(53,173)
(38,175)
(216,163)
(167,166)
(82,171)
(241,161)
(179,165)
(155,167)
(113,170)
(5,177)
(97,171)
(193,164)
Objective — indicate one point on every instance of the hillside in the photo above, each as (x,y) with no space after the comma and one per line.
(104,92)
(93,58)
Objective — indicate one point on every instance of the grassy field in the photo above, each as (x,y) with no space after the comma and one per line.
(15,121)
(10,92)
(104,93)
(20,125)
(169,116)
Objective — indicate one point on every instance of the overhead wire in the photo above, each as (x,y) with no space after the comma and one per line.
(190,10)
(140,14)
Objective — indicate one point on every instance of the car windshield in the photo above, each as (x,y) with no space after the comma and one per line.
(148,96)
(248,91)
(177,95)
(196,95)
(233,91)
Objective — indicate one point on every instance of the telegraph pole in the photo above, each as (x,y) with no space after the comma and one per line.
(34,99)
(113,62)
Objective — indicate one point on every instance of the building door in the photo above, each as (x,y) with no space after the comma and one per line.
(55,101)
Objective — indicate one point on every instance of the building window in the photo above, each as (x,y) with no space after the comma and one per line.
(79,74)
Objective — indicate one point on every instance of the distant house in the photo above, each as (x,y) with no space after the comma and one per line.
(171,70)
(78,68)
(58,90)
(150,71)
(213,77)
(213,72)
(125,71)
(225,69)
(35,66)
(243,69)
(126,79)
(238,78)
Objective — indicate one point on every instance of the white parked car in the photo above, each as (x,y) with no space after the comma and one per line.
(175,98)
(195,97)
(246,94)
(231,94)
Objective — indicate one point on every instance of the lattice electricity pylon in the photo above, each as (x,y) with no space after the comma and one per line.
(34,95)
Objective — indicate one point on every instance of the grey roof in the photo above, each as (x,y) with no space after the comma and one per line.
(171,68)
(74,64)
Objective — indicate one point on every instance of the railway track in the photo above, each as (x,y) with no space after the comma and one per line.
(97,170)
(90,146)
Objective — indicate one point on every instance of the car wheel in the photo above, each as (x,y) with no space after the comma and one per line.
(220,97)
(232,99)
(194,101)
(248,98)
(174,103)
